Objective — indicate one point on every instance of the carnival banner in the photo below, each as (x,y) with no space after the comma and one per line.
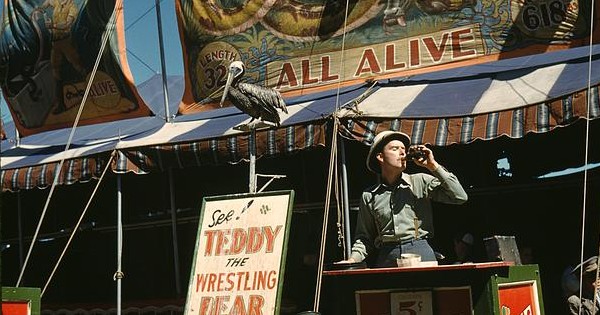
(240,253)
(48,49)
(302,46)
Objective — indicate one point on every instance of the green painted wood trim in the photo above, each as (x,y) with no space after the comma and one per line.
(489,302)
(24,294)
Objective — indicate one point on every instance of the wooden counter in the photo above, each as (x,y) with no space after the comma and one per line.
(472,288)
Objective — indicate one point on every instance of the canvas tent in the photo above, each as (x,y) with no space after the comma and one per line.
(207,136)
(510,97)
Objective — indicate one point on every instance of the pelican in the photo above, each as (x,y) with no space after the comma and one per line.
(257,101)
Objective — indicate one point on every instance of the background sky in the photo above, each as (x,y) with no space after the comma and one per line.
(142,41)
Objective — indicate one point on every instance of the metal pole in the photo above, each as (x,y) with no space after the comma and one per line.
(252,148)
(174,232)
(346,203)
(168,117)
(119,274)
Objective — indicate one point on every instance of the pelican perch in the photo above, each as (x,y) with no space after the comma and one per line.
(257,101)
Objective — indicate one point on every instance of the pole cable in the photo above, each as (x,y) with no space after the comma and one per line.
(76,227)
(109,28)
(585,171)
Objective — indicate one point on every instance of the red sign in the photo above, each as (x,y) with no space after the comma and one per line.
(15,307)
(518,298)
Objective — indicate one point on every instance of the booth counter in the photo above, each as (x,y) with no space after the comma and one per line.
(498,288)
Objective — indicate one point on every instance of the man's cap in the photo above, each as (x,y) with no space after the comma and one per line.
(380,140)
(468,239)
(589,265)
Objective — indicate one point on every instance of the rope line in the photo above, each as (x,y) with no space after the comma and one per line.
(110,27)
(332,159)
(585,171)
(76,228)
(333,166)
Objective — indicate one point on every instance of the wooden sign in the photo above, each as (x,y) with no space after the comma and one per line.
(372,302)
(439,301)
(411,302)
(518,298)
(240,254)
(452,301)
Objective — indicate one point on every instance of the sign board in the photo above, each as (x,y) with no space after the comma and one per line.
(452,301)
(411,302)
(518,298)
(372,302)
(438,300)
(239,259)
(20,301)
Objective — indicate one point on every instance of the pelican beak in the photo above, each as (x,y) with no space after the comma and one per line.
(226,89)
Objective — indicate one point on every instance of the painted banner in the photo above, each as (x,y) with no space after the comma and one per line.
(518,298)
(303,46)
(240,254)
(48,49)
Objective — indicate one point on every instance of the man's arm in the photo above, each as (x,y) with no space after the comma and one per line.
(446,188)
(366,231)
(451,190)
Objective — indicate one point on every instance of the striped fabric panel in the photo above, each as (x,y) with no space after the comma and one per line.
(286,140)
(271,143)
(518,123)
(466,132)
(513,123)
(42,176)
(543,118)
(290,136)
(441,133)
(594,102)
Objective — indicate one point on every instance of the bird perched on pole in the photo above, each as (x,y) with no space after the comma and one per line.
(257,101)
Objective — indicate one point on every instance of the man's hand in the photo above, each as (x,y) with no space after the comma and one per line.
(428,161)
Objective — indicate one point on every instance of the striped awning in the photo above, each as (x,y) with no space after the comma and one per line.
(514,123)
(146,159)
(510,97)
(42,176)
(270,142)
(147,144)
